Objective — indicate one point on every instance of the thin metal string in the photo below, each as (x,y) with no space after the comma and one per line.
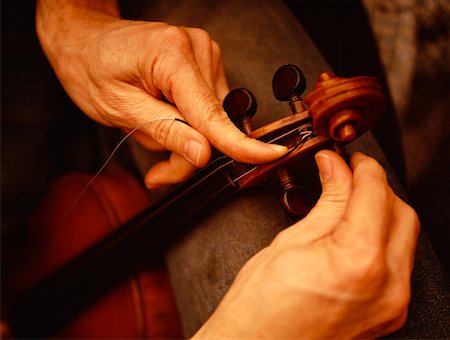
(111,155)
(305,135)
(256,166)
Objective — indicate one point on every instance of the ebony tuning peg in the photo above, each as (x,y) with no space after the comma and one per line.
(292,196)
(240,105)
(288,84)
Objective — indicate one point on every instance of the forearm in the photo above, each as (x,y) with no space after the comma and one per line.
(63,25)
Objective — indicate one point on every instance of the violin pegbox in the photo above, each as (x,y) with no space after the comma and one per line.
(288,84)
(337,111)
(240,105)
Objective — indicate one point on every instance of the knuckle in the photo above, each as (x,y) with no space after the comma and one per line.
(175,53)
(113,108)
(413,217)
(203,45)
(399,322)
(365,269)
(399,299)
(217,51)
(177,38)
(409,216)
(400,305)
(163,132)
(201,35)
(213,113)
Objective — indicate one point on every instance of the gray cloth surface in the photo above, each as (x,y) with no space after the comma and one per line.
(257,37)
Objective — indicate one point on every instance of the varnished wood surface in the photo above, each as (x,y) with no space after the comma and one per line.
(278,124)
(256,38)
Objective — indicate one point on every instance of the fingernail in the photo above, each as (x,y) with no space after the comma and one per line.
(324,164)
(192,152)
(280,149)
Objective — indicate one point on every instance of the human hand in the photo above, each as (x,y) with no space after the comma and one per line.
(121,73)
(341,272)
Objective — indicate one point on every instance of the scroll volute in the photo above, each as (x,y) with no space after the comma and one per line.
(345,108)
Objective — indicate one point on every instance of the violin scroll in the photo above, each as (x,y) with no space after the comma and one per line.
(345,108)
(340,109)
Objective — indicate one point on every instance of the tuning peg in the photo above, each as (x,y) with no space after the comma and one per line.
(240,105)
(288,84)
(292,196)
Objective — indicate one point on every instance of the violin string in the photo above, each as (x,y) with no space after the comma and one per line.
(111,155)
(304,135)
(255,167)
(300,130)
(116,148)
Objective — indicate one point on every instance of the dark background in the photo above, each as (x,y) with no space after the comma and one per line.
(44,135)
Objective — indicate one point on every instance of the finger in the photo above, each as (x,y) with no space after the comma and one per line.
(393,325)
(145,140)
(203,52)
(209,60)
(221,83)
(199,104)
(178,77)
(174,170)
(170,134)
(369,210)
(402,240)
(336,179)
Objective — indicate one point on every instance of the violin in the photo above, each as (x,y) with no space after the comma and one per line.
(336,112)
(142,305)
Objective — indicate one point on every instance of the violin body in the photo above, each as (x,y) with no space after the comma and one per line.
(142,306)
(204,262)
(81,265)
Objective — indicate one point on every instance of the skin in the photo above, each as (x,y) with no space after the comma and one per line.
(342,272)
(123,73)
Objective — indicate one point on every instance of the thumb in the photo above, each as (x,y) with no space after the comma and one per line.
(336,179)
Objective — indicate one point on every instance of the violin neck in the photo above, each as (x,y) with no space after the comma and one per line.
(52,302)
